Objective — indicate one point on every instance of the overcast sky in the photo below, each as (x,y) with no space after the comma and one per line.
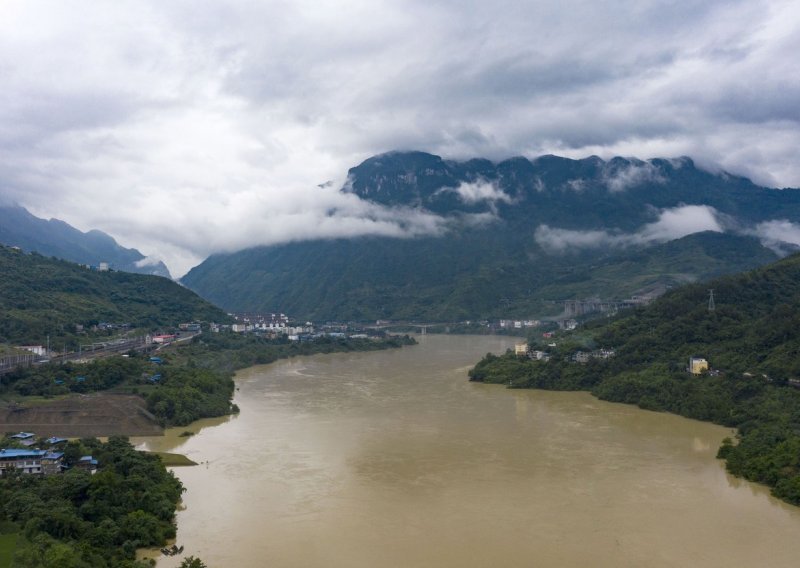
(185,128)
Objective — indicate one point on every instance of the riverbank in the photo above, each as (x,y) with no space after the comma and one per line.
(766,449)
(139,396)
(392,458)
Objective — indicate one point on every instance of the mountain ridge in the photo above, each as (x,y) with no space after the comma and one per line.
(57,238)
(597,214)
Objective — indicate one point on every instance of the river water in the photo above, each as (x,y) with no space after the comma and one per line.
(392,459)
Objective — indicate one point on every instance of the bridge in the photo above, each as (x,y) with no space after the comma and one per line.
(422,327)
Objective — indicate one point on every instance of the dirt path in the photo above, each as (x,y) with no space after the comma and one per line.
(82,415)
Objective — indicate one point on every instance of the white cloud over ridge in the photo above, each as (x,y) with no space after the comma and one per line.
(780,235)
(478,191)
(671,224)
(620,179)
(184,129)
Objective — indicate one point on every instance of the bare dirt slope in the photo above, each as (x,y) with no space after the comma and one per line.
(79,416)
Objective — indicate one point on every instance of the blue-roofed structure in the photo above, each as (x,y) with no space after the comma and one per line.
(24,438)
(88,463)
(36,462)
(54,440)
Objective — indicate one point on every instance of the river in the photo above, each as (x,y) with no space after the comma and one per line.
(393,459)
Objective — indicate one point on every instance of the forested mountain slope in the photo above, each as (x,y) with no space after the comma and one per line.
(43,296)
(516,236)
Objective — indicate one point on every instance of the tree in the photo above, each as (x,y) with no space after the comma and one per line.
(192,562)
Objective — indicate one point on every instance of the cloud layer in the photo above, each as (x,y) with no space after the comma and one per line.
(671,224)
(186,129)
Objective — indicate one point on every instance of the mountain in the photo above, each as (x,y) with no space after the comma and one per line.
(18,227)
(517,236)
(42,296)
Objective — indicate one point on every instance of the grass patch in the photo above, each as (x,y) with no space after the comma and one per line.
(8,543)
(172,460)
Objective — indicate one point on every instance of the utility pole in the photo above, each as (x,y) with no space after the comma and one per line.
(711,306)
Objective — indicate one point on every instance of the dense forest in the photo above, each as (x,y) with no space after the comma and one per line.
(751,339)
(80,520)
(41,297)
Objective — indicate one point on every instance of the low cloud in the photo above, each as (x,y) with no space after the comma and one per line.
(781,236)
(478,191)
(577,185)
(671,224)
(631,175)
(147,261)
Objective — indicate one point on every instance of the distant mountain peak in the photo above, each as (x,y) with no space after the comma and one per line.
(54,237)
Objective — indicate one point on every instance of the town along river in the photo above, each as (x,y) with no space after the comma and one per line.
(393,459)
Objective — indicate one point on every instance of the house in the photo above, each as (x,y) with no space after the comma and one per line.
(521,349)
(568,324)
(539,355)
(55,441)
(88,463)
(582,356)
(604,353)
(35,349)
(24,438)
(697,365)
(36,462)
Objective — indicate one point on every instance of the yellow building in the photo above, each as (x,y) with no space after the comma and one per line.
(521,349)
(697,365)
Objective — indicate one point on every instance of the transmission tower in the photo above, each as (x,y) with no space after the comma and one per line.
(711,306)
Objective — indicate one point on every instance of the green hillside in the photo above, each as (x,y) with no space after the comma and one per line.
(474,274)
(43,296)
(751,340)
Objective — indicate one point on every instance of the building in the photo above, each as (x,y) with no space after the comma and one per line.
(35,349)
(582,356)
(697,365)
(35,462)
(521,349)
(88,463)
(604,353)
(24,438)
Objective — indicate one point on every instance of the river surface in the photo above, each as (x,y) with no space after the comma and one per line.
(392,459)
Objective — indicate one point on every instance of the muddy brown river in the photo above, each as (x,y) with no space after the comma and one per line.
(392,459)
